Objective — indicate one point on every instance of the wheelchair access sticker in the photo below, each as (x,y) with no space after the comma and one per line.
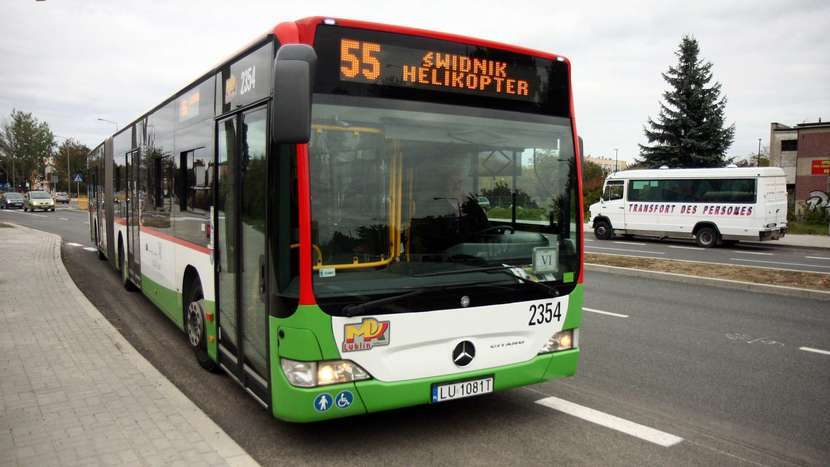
(322,402)
(344,399)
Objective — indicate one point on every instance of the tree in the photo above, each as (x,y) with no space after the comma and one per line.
(593,177)
(76,153)
(689,131)
(25,145)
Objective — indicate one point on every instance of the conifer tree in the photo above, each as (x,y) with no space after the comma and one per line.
(689,131)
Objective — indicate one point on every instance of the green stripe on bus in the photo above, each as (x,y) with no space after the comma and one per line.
(167,300)
(574,318)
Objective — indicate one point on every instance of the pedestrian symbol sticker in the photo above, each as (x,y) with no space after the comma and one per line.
(344,399)
(322,402)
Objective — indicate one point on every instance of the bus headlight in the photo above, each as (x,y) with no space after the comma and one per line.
(562,340)
(311,374)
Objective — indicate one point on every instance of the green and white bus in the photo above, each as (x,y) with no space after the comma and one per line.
(348,217)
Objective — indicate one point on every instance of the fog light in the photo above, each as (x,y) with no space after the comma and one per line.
(300,374)
(563,340)
(311,374)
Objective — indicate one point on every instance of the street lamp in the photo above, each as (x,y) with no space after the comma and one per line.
(109,121)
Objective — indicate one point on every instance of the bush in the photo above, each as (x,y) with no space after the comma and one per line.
(819,216)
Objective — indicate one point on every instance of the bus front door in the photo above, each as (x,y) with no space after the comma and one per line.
(240,249)
(613,203)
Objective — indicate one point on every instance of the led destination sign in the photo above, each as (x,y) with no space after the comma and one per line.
(390,65)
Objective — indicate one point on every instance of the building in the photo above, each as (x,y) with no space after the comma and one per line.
(803,151)
(608,165)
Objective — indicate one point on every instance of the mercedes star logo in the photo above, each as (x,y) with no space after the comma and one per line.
(463,353)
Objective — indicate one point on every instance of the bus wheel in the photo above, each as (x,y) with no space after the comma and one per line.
(602,230)
(194,325)
(125,271)
(706,237)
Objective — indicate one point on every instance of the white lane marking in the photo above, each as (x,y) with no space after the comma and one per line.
(816,257)
(593,310)
(89,248)
(86,223)
(776,262)
(810,349)
(73,244)
(610,421)
(630,251)
(63,218)
(687,247)
(751,253)
(588,240)
(630,243)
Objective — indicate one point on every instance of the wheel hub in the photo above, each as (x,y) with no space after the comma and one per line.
(195,323)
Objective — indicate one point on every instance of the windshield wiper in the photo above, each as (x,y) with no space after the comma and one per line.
(503,269)
(353,310)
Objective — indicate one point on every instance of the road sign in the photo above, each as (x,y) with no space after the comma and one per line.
(78,178)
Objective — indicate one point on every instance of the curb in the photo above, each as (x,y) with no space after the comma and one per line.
(712,282)
(227,448)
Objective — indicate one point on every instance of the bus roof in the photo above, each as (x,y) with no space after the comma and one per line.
(723,172)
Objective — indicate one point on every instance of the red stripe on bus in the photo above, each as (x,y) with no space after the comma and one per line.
(178,241)
(304,195)
(579,200)
(308,27)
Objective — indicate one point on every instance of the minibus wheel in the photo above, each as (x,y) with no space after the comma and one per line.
(706,237)
(602,230)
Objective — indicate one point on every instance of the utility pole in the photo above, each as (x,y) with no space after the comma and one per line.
(616,161)
(759,153)
(68,179)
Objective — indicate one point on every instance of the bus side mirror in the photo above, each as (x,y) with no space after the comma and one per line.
(293,80)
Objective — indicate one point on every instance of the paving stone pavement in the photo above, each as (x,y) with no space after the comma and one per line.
(73,391)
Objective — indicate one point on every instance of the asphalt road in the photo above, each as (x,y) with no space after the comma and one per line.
(722,374)
(767,254)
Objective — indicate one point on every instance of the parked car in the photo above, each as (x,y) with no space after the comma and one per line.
(11,200)
(61,197)
(39,200)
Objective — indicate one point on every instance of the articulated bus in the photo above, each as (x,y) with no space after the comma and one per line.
(349,217)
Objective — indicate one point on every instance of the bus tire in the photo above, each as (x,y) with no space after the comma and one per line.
(706,237)
(194,326)
(603,230)
(125,274)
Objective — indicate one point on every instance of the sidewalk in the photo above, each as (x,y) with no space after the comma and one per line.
(73,391)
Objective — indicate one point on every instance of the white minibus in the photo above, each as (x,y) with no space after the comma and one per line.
(712,206)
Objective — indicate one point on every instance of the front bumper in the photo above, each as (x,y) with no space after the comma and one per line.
(297,404)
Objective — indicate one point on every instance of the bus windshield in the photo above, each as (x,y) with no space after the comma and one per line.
(411,195)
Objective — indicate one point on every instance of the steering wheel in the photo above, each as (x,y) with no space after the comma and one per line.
(500,229)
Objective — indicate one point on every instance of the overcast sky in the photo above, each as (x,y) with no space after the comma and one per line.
(72,62)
